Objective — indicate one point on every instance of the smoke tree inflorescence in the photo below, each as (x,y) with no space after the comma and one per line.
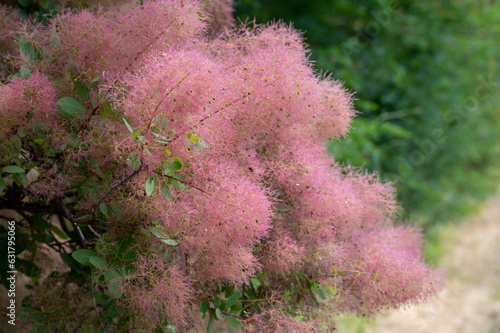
(182,166)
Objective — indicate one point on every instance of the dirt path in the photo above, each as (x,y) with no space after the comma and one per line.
(471,301)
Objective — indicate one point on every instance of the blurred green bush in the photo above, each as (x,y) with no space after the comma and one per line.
(427,81)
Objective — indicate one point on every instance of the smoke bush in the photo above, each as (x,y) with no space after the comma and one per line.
(190,170)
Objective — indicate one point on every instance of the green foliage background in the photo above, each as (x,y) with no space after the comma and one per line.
(427,85)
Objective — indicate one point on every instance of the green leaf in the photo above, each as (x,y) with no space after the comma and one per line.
(319,291)
(42,143)
(177,184)
(70,261)
(70,108)
(255,283)
(233,323)
(158,233)
(218,313)
(176,165)
(165,190)
(233,299)
(40,222)
(81,90)
(137,135)
(193,137)
(128,126)
(13,169)
(210,328)
(103,299)
(58,232)
(330,289)
(150,185)
(21,132)
(228,291)
(104,208)
(115,285)
(113,312)
(43,3)
(25,72)
(134,161)
(24,3)
(83,256)
(169,241)
(98,262)
(22,176)
(25,47)
(17,142)
(130,256)
(108,111)
(204,306)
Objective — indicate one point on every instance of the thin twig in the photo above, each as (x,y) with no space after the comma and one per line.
(73,221)
(82,319)
(95,307)
(114,187)
(94,232)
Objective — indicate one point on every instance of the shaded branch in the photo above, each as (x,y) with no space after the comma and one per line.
(114,187)
(73,221)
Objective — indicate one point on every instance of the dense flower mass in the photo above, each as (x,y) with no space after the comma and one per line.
(205,155)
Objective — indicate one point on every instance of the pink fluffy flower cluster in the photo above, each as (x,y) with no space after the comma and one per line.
(246,116)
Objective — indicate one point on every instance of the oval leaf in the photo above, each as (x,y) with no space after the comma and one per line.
(24,3)
(233,299)
(70,108)
(13,169)
(103,299)
(193,137)
(21,132)
(59,232)
(233,323)
(150,185)
(218,313)
(98,262)
(204,306)
(104,209)
(17,142)
(158,233)
(114,279)
(169,241)
(83,256)
(176,165)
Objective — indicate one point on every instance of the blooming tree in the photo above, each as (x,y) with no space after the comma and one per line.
(186,164)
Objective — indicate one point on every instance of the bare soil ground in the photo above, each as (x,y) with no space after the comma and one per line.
(470,303)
